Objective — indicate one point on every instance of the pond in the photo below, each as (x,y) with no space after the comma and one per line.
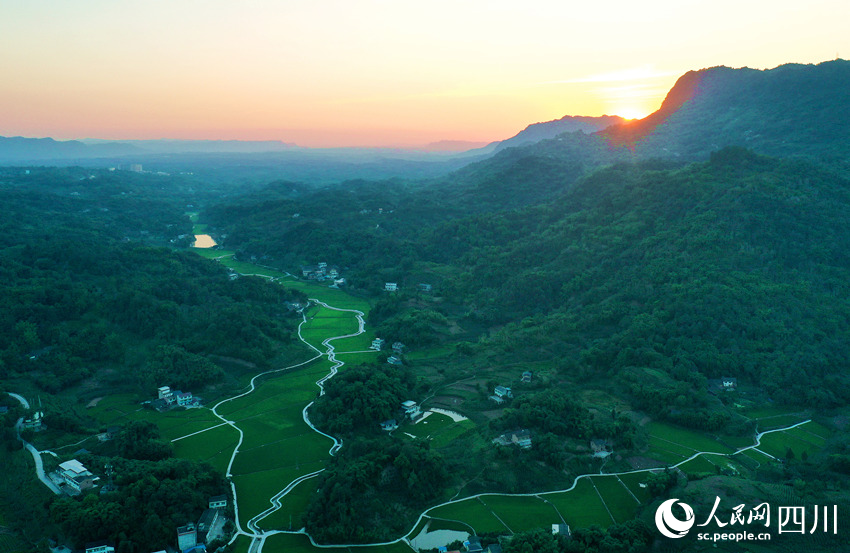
(203,241)
(437,538)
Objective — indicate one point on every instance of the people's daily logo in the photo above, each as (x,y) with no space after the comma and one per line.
(669,524)
(675,519)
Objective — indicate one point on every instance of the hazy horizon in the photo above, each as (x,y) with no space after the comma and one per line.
(374,74)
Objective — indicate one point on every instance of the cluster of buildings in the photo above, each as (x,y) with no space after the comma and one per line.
(395,359)
(379,343)
(168,398)
(193,537)
(393,287)
(409,410)
(501,394)
(322,272)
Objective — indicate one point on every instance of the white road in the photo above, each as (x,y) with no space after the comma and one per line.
(36,456)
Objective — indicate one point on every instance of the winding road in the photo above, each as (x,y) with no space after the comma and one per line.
(36,455)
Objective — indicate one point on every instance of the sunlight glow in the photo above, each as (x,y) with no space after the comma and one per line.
(631,112)
(372,72)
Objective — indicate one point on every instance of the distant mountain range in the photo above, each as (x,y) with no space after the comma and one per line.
(550,129)
(20,150)
(791,110)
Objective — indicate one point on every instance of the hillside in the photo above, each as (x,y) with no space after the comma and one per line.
(791,110)
(550,129)
(733,265)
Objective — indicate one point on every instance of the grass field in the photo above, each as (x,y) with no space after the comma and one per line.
(213,446)
(294,504)
(633,481)
(214,253)
(701,465)
(242,545)
(361,342)
(521,513)
(778,444)
(617,497)
(472,512)
(323,323)
(437,428)
(580,506)
(686,438)
(255,490)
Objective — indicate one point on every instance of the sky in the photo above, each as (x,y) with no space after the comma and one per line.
(400,73)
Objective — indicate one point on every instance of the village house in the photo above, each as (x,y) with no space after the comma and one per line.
(110,433)
(600,447)
(561,529)
(76,476)
(723,384)
(187,537)
(378,344)
(218,502)
(411,409)
(729,383)
(519,438)
(398,347)
(389,425)
(526,376)
(473,545)
(393,360)
(501,394)
(184,398)
(34,422)
(391,286)
(423,287)
(99,547)
(210,525)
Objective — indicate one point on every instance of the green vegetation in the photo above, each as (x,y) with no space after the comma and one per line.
(362,397)
(371,490)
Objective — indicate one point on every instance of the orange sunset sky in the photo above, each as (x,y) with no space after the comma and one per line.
(374,72)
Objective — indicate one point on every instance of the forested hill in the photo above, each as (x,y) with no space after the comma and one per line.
(735,265)
(791,110)
(87,287)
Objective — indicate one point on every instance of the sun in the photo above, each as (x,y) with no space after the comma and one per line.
(631,113)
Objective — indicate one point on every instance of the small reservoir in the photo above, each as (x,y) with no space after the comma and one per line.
(203,241)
